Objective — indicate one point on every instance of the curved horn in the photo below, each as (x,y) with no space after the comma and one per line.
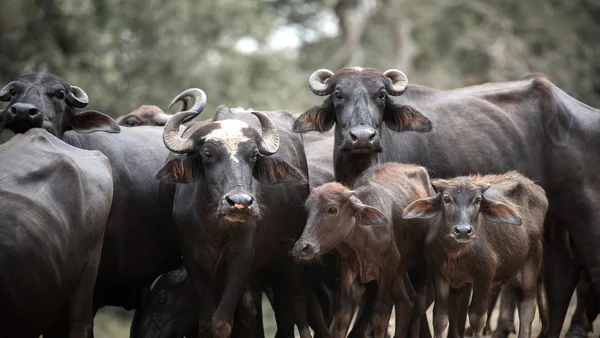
(177,277)
(78,98)
(172,137)
(155,282)
(317,82)
(270,137)
(185,97)
(161,119)
(5,93)
(399,82)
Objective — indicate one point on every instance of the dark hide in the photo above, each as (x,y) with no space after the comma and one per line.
(365,226)
(55,202)
(140,241)
(483,231)
(221,245)
(530,126)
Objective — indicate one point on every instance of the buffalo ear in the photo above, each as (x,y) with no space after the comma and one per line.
(405,118)
(423,208)
(273,170)
(318,118)
(92,121)
(180,169)
(499,212)
(367,215)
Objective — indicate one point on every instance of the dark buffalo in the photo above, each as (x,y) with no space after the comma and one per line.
(229,213)
(140,241)
(336,219)
(55,203)
(530,125)
(483,231)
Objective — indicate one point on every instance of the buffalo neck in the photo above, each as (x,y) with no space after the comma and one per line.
(347,167)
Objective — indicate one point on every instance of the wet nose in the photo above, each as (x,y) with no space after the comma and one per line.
(463,230)
(362,135)
(239,200)
(303,248)
(24,110)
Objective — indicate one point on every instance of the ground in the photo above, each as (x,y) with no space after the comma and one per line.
(114,323)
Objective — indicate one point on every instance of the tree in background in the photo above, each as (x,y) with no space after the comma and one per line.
(134,52)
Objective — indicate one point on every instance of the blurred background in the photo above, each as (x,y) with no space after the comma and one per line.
(259,54)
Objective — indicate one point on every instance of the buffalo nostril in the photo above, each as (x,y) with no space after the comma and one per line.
(13,110)
(372,137)
(456,231)
(33,112)
(352,136)
(239,201)
(469,231)
(305,248)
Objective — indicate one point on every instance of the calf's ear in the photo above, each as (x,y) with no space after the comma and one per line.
(273,170)
(180,169)
(92,121)
(499,212)
(366,214)
(318,118)
(405,118)
(423,208)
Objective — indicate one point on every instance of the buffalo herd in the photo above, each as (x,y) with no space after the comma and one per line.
(383,197)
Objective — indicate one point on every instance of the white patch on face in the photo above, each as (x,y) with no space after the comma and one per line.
(230,135)
(358,69)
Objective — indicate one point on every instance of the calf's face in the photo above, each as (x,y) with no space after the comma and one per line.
(224,157)
(333,211)
(460,202)
(359,101)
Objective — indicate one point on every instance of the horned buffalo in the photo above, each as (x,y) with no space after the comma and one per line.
(55,203)
(531,126)
(229,214)
(483,230)
(140,242)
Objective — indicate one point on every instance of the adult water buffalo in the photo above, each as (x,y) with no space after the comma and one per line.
(139,242)
(530,125)
(55,202)
(231,217)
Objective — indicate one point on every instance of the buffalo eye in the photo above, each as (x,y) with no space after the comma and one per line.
(254,155)
(162,299)
(332,210)
(208,154)
(12,92)
(447,199)
(381,95)
(477,200)
(338,95)
(60,95)
(130,123)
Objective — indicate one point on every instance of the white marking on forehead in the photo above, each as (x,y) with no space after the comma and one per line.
(230,135)
(358,69)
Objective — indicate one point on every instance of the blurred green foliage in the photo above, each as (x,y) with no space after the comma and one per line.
(134,52)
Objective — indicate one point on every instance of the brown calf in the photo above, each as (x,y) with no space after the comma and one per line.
(382,252)
(483,230)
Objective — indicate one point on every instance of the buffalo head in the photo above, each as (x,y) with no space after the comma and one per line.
(460,202)
(47,101)
(359,101)
(225,156)
(147,115)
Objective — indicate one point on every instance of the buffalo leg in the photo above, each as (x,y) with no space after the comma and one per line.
(528,294)
(506,318)
(316,318)
(560,275)
(419,282)
(440,307)
(381,310)
(487,329)
(342,314)
(362,324)
(404,307)
(580,326)
(478,307)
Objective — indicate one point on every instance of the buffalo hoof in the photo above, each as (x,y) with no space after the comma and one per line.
(502,332)
(486,331)
(576,332)
(221,329)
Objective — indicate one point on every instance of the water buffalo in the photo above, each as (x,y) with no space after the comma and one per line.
(139,242)
(55,203)
(531,126)
(229,209)
(336,219)
(145,115)
(483,230)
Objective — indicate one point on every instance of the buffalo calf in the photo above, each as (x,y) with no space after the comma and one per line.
(483,230)
(382,252)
